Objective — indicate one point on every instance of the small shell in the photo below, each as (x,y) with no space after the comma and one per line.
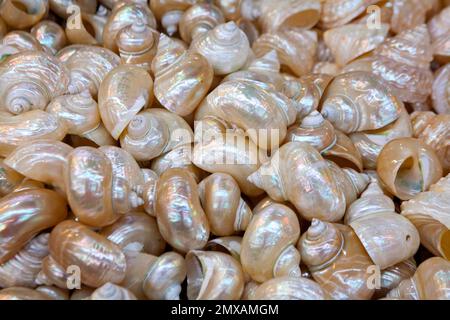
(169,12)
(100,261)
(50,34)
(22,14)
(21,293)
(111,291)
(52,274)
(226,47)
(10,179)
(124,91)
(441,90)
(213,276)
(24,214)
(84,28)
(199,19)
(407,167)
(289,288)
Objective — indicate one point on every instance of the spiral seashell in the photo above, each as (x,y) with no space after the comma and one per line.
(111,291)
(344,153)
(388,237)
(279,226)
(370,143)
(136,231)
(88,66)
(41,160)
(137,44)
(337,260)
(353,40)
(123,16)
(50,35)
(100,261)
(392,276)
(85,28)
(22,269)
(220,149)
(408,14)
(29,80)
(221,200)
(181,219)
(153,132)
(24,214)
(22,14)
(52,274)
(182,79)
(440,35)
(430,282)
(124,91)
(54,293)
(289,288)
(213,276)
(407,167)
(10,179)
(336,13)
(429,212)
(169,12)
(226,47)
(21,293)
(20,41)
(60,7)
(441,90)
(296,48)
(198,20)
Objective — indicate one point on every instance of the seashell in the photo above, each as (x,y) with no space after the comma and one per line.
(136,231)
(344,153)
(20,41)
(221,149)
(296,49)
(403,62)
(278,225)
(169,12)
(289,288)
(148,191)
(440,35)
(137,44)
(407,167)
(182,79)
(153,132)
(226,48)
(111,291)
(221,200)
(441,90)
(54,293)
(85,28)
(100,261)
(41,160)
(123,16)
(351,41)
(392,276)
(370,143)
(263,114)
(24,214)
(27,184)
(50,35)
(213,276)
(98,137)
(78,112)
(21,270)
(22,14)
(337,260)
(10,179)
(429,212)
(230,245)
(250,30)
(359,101)
(336,13)
(231,9)
(181,219)
(388,237)
(88,66)
(434,131)
(52,274)
(315,195)
(124,91)
(62,7)
(198,20)
(21,293)
(430,282)
(408,14)
(30,80)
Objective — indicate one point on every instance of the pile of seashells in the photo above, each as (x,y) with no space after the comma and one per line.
(227,149)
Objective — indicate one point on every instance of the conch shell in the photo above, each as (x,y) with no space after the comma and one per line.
(50,35)
(24,214)
(289,288)
(441,90)
(182,78)
(122,94)
(22,14)
(430,213)
(30,80)
(111,291)
(408,166)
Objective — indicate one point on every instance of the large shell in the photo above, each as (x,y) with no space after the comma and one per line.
(111,291)
(124,91)
(408,166)
(24,214)
(50,35)
(22,14)
(289,288)
(100,261)
(181,219)
(336,13)
(337,260)
(10,179)
(358,101)
(22,269)
(430,213)
(199,19)
(226,47)
(441,90)
(278,225)
(30,80)
(182,79)
(213,276)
